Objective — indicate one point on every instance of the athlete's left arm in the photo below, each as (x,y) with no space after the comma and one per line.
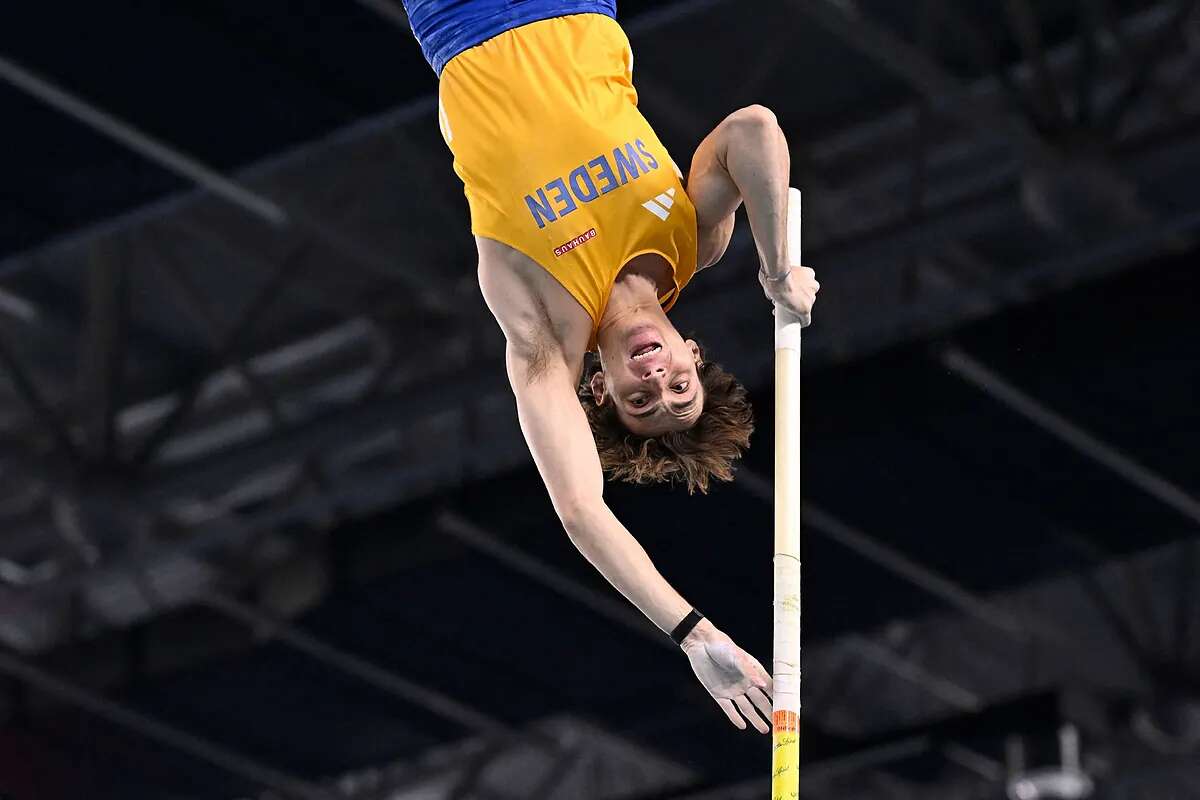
(746,159)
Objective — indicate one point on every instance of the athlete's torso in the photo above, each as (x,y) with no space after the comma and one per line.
(558,163)
(444,28)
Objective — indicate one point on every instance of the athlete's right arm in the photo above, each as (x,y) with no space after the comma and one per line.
(560,439)
(558,435)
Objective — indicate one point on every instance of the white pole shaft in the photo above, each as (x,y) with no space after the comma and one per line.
(786,663)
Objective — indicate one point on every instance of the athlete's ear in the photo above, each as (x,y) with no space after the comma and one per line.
(599,387)
(691,344)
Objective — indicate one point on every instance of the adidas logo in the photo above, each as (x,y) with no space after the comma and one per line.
(661,205)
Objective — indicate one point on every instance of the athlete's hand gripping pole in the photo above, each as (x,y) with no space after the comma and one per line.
(785,772)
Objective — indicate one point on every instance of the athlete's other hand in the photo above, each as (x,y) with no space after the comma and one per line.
(739,684)
(794,291)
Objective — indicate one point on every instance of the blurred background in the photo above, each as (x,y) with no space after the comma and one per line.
(268,528)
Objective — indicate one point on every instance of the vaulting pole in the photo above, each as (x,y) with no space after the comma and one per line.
(785,768)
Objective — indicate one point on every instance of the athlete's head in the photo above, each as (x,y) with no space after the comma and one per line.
(660,412)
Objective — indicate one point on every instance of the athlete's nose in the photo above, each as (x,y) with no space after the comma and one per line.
(651,372)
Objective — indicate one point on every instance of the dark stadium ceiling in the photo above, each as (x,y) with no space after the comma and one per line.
(293,404)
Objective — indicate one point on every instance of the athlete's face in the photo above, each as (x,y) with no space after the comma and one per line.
(650,376)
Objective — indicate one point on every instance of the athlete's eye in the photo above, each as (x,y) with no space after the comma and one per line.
(638,401)
(681,387)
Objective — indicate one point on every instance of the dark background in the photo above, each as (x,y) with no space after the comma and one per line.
(267,524)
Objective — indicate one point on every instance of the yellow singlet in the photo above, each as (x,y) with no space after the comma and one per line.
(557,161)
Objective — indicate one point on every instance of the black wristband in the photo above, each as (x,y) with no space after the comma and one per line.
(684,628)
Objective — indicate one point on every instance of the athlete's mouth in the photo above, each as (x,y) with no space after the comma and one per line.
(645,350)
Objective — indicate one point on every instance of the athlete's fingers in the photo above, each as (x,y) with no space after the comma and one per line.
(727,706)
(749,713)
(761,701)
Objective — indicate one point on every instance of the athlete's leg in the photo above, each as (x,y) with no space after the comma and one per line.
(744,159)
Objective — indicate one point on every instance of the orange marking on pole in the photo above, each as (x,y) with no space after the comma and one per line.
(786,721)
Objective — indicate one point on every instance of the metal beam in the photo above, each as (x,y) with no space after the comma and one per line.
(250,316)
(388,11)
(51,319)
(337,358)
(1129,636)
(242,258)
(1150,57)
(150,728)
(1187,571)
(858,139)
(102,349)
(558,772)
(323,432)
(929,18)
(409,691)
(988,769)
(400,781)
(892,560)
(18,308)
(1010,287)
(360,495)
(412,692)
(1082,441)
(1113,38)
(192,301)
(125,134)
(983,52)
(603,604)
(1023,20)
(1090,19)
(946,94)
(37,404)
(183,165)
(944,689)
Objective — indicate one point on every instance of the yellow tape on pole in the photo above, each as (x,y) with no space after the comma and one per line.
(785,759)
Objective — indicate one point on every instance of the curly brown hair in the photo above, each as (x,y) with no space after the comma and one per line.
(691,457)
